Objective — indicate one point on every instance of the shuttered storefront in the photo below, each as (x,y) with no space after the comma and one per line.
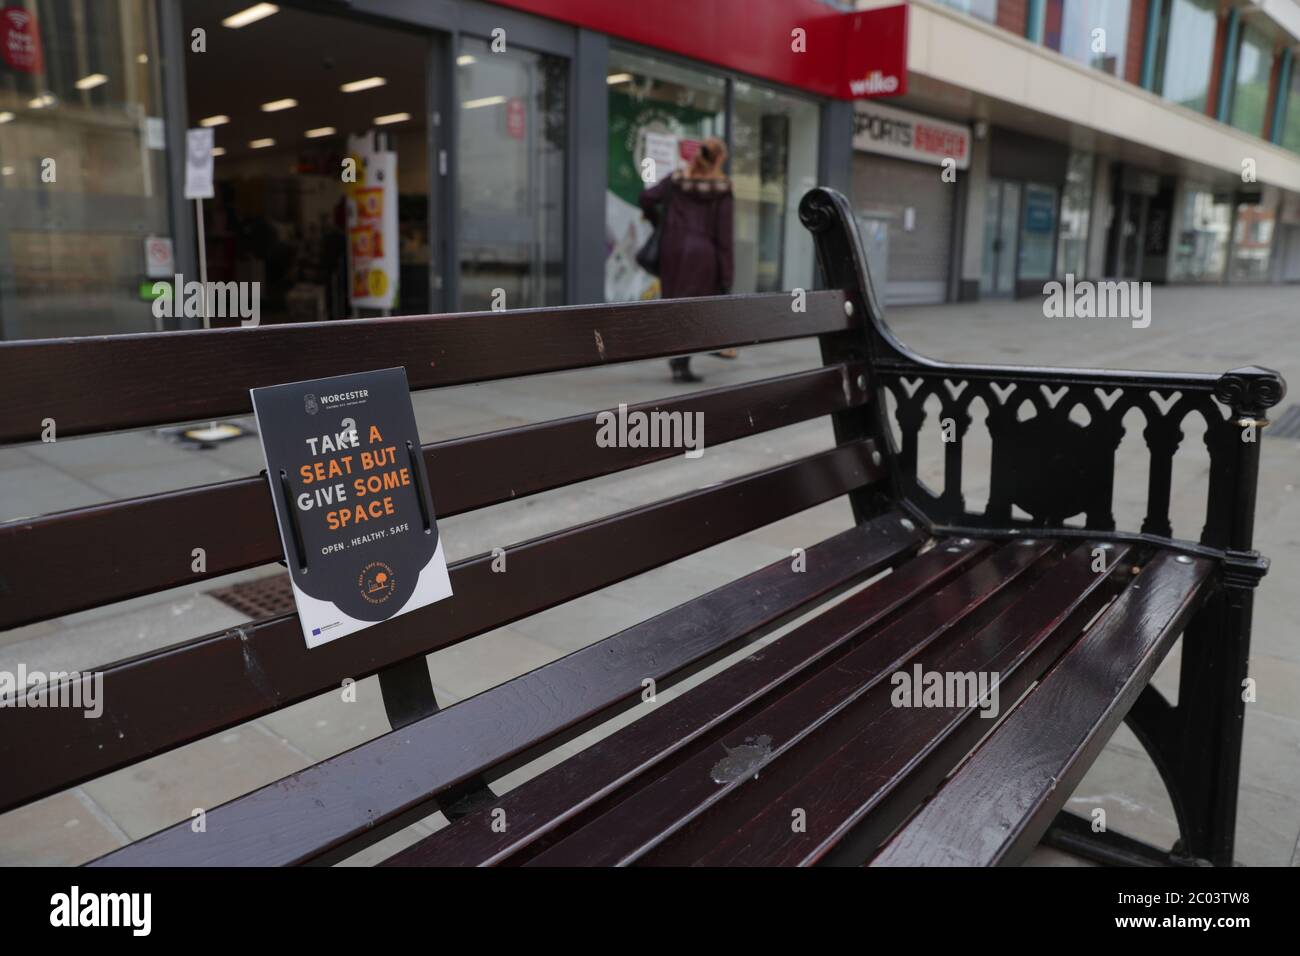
(919,242)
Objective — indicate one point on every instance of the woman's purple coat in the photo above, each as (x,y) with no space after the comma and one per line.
(695,244)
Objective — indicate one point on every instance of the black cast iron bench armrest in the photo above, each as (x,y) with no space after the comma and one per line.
(1047,463)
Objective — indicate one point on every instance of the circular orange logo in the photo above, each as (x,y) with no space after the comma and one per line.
(376,582)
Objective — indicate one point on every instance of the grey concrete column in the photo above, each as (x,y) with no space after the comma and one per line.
(1099,217)
(588,168)
(835,151)
(972,245)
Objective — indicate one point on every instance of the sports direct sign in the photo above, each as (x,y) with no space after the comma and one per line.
(886,129)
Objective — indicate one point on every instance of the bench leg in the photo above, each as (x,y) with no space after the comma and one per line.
(1216,654)
(1073,834)
(1196,745)
(408,696)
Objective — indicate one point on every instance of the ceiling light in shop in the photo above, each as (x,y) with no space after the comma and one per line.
(485,101)
(275,106)
(261,143)
(218,151)
(465,59)
(5,117)
(258,11)
(42,101)
(91,81)
(321,131)
(369,83)
(615,78)
(392,118)
(7,171)
(142,58)
(218,120)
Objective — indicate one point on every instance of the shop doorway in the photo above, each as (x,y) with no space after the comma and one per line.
(286,114)
(1128,236)
(1001,235)
(1137,246)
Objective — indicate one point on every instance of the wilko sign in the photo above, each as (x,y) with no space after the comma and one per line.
(894,132)
(875,53)
(20,40)
(875,83)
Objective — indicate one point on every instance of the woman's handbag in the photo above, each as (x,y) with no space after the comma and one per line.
(647,257)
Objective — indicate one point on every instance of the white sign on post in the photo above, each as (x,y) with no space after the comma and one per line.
(198,163)
(662,148)
(155,133)
(159,257)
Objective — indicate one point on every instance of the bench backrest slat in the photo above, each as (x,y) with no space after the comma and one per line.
(145,544)
(99,384)
(179,694)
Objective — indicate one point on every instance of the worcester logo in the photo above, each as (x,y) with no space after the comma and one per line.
(309,403)
(376,582)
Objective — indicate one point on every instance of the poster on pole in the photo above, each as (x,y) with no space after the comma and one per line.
(198,163)
(372,227)
(351,497)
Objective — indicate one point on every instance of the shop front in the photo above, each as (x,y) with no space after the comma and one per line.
(497,149)
(1138,244)
(1022,214)
(662,110)
(906,194)
(1204,225)
(83,167)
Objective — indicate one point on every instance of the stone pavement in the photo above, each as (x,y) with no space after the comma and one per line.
(1193,329)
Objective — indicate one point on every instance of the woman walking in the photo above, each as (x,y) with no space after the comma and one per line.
(695,238)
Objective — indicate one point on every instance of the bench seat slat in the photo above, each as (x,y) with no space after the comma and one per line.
(144,545)
(667,801)
(369,790)
(541,805)
(857,785)
(135,381)
(178,694)
(1017,781)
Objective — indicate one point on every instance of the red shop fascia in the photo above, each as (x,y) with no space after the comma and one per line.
(806,44)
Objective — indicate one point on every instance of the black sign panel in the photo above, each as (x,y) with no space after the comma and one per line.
(356,520)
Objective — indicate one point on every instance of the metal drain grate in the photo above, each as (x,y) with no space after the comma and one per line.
(1286,425)
(263,598)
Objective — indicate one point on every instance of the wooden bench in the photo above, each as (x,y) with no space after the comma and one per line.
(798,753)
